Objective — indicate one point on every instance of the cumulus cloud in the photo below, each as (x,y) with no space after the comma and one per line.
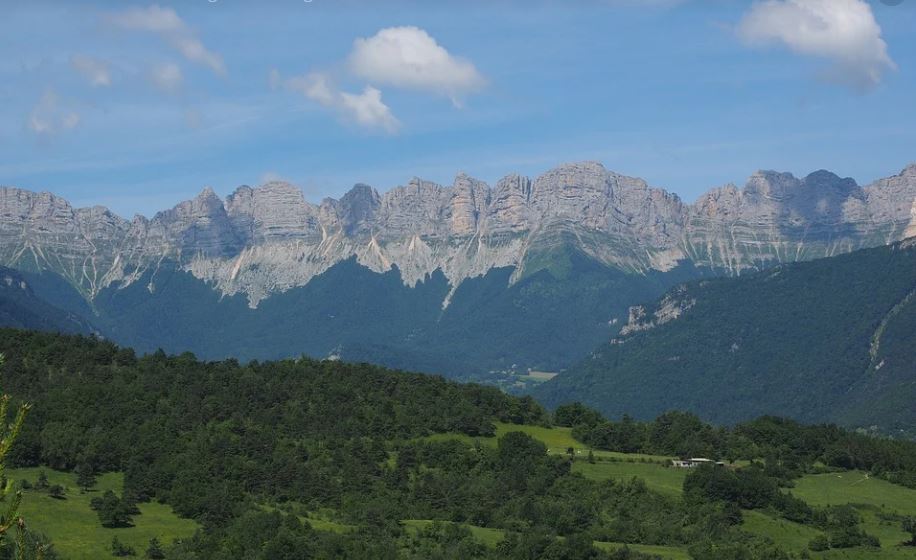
(409,57)
(365,109)
(165,23)
(48,118)
(842,31)
(94,70)
(166,77)
(368,109)
(401,57)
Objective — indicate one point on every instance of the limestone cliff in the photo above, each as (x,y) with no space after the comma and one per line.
(268,239)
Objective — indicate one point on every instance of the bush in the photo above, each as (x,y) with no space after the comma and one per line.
(113,511)
(120,549)
(154,550)
(57,491)
(819,543)
(909,525)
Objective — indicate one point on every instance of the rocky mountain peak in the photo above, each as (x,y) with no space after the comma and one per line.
(276,210)
(824,181)
(361,192)
(586,175)
(207,192)
(469,201)
(772,185)
(508,209)
(279,189)
(357,208)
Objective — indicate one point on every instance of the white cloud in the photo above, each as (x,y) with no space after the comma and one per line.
(47,118)
(166,77)
(365,109)
(316,86)
(842,31)
(368,109)
(409,57)
(94,70)
(173,30)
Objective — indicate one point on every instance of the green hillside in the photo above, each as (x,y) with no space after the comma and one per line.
(324,459)
(827,340)
(21,307)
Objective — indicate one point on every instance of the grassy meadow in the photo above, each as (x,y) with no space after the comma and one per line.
(878,501)
(485,535)
(665,480)
(74,527)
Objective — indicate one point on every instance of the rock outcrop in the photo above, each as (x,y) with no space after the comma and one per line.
(267,239)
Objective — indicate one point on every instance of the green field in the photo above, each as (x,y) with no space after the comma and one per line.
(789,535)
(323,520)
(795,537)
(665,480)
(617,455)
(855,487)
(609,464)
(484,535)
(74,528)
(869,495)
(557,439)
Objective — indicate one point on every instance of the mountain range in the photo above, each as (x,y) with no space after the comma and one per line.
(464,280)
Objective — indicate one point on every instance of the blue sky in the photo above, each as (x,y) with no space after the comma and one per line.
(139,105)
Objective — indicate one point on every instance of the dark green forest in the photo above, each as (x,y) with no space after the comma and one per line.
(22,308)
(221,441)
(565,302)
(827,340)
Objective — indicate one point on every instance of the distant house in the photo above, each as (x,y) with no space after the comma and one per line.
(694,462)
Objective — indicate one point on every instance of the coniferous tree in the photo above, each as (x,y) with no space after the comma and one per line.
(57,491)
(120,549)
(909,525)
(85,477)
(154,550)
(112,510)
(8,434)
(42,482)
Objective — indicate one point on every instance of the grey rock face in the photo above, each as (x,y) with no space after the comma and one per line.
(267,239)
(779,218)
(276,211)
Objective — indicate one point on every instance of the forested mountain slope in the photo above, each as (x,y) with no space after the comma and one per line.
(828,340)
(21,308)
